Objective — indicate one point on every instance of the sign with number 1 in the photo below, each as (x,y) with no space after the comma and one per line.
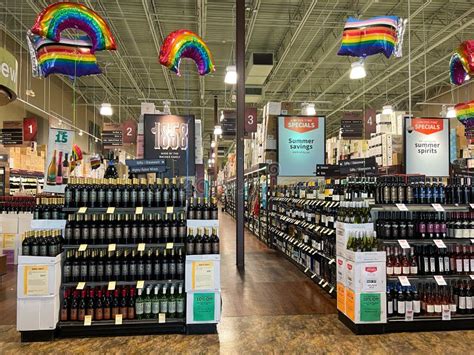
(30,128)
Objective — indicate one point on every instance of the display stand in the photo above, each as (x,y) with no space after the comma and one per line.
(203,287)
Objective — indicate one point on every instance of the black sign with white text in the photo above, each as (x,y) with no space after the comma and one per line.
(358,166)
(172,139)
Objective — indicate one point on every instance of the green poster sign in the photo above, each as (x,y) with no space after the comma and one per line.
(203,307)
(8,76)
(370,307)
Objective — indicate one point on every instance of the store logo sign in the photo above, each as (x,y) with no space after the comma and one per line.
(371,269)
(428,125)
(301,124)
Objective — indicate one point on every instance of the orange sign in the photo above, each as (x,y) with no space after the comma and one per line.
(301,124)
(350,304)
(341,297)
(428,125)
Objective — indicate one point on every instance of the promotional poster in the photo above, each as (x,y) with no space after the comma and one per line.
(427,146)
(171,138)
(301,144)
(58,165)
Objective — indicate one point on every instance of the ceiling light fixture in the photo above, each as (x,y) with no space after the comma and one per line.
(106,109)
(358,70)
(451,113)
(308,109)
(217,130)
(213,155)
(81,133)
(387,110)
(213,144)
(230,75)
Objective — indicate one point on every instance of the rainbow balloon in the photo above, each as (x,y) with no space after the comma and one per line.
(465,115)
(67,57)
(186,44)
(461,65)
(362,38)
(63,15)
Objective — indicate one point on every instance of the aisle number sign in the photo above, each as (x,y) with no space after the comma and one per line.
(301,144)
(427,146)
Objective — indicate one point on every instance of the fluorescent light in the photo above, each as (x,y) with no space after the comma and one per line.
(106,109)
(213,144)
(358,70)
(231,75)
(217,130)
(387,110)
(80,132)
(451,113)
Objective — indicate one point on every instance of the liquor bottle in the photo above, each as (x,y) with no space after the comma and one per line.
(416,303)
(181,193)
(173,229)
(172,267)
(198,242)
(131,304)
(74,307)
(149,265)
(157,275)
(101,265)
(118,192)
(181,228)
(155,303)
(401,303)
(65,306)
(166,194)
(214,242)
(65,169)
(214,209)
(180,265)
(157,193)
(389,303)
(198,209)
(52,171)
(171,303)
(142,192)
(99,308)
(174,193)
(165,266)
(180,302)
(149,193)
(206,212)
(124,304)
(163,301)
(191,209)
(133,193)
(125,265)
(82,306)
(139,305)
(117,266)
(206,242)
(115,309)
(59,174)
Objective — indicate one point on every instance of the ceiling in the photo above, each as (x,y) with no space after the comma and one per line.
(303,35)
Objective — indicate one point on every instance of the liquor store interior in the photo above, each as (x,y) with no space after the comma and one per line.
(236,176)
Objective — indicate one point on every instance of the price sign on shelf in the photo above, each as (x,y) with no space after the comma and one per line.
(169,245)
(404,244)
(110,210)
(439,243)
(87,320)
(472,205)
(112,247)
(446,313)
(409,315)
(472,277)
(111,285)
(139,210)
(169,210)
(402,207)
(118,319)
(440,280)
(140,284)
(80,285)
(82,210)
(82,247)
(162,318)
(404,281)
(141,247)
(437,207)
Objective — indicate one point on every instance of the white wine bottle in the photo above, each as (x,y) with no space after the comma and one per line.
(52,168)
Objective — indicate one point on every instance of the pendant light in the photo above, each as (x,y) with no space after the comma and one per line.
(358,70)
(106,109)
(231,75)
(451,113)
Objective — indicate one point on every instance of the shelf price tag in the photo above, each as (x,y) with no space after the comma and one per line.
(320,282)
(161,317)
(139,210)
(110,210)
(404,243)
(446,313)
(141,247)
(440,280)
(306,270)
(409,315)
(331,261)
(472,205)
(404,281)
(140,284)
(439,243)
(82,210)
(169,245)
(402,207)
(325,284)
(87,320)
(437,207)
(82,247)
(472,241)
(331,290)
(472,277)
(169,209)
(80,285)
(111,285)
(118,319)
(112,247)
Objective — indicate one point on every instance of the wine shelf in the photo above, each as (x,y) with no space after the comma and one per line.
(463,241)
(430,277)
(125,322)
(425,318)
(125,210)
(128,246)
(420,208)
(122,283)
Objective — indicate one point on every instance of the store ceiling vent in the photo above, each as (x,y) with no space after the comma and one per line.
(253,94)
(258,68)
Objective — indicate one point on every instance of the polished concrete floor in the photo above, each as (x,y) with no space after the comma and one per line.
(271,308)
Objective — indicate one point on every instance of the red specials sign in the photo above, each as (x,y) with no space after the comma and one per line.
(301,124)
(428,125)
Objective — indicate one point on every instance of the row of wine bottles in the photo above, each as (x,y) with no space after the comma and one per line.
(430,260)
(123,265)
(431,299)
(102,304)
(362,241)
(88,192)
(125,229)
(425,225)
(202,242)
(49,208)
(16,204)
(42,243)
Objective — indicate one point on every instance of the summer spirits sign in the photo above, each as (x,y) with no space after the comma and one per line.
(427,146)
(301,144)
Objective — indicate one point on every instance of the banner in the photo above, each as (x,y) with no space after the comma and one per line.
(112,135)
(301,144)
(129,132)
(57,160)
(8,76)
(171,138)
(427,146)
(12,133)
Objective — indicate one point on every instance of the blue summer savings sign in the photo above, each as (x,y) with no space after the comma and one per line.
(301,145)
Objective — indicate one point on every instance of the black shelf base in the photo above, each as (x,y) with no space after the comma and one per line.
(37,335)
(399,326)
(210,328)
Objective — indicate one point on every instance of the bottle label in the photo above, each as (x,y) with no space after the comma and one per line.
(163,306)
(166,232)
(67,271)
(100,271)
(416,307)
(430,308)
(190,248)
(205,214)
(397,270)
(155,307)
(207,248)
(148,269)
(133,197)
(117,268)
(180,269)
(165,268)
(469,302)
(84,270)
(101,233)
(437,308)
(101,196)
(389,270)
(458,265)
(141,269)
(93,197)
(172,307)
(157,270)
(180,306)
(92,270)
(466,265)
(401,307)
(157,232)
(124,269)
(182,232)
(149,232)
(472,265)
(172,269)
(215,248)
(125,197)
(139,308)
(84,196)
(93,233)
(413,270)
(390,308)
(441,264)
(149,198)
(147,307)
(462,302)
(453,307)
(174,233)
(141,197)
(133,269)
(134,232)
(108,270)
(76,271)
(406,270)
(432,264)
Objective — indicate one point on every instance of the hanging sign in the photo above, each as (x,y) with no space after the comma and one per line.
(129,132)
(8,77)
(301,144)
(112,135)
(359,166)
(352,126)
(171,138)
(12,133)
(369,122)
(57,166)
(427,146)
(250,120)
(30,129)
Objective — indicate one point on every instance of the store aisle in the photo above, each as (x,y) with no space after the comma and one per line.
(273,307)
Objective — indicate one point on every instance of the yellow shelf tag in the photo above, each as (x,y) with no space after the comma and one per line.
(140,284)
(169,245)
(112,247)
(139,210)
(118,319)
(169,209)
(110,210)
(141,247)
(111,285)
(87,320)
(82,247)
(82,210)
(80,285)
(161,317)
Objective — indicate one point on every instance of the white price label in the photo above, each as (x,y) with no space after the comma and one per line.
(161,317)
(87,320)
(472,277)
(118,319)
(472,241)
(440,280)
(437,207)
(404,243)
(409,315)
(439,243)
(472,205)
(111,285)
(446,314)
(325,284)
(331,290)
(402,207)
(306,270)
(320,282)
(404,281)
